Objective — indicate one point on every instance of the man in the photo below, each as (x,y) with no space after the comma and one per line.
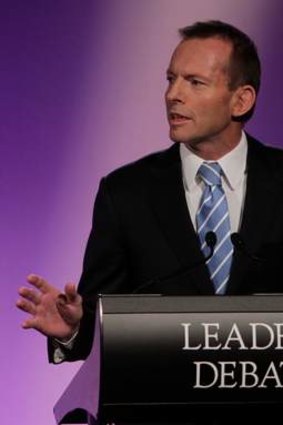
(149,231)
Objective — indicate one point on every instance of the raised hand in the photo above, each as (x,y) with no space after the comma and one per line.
(53,313)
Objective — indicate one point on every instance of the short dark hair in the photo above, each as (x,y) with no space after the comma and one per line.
(244,67)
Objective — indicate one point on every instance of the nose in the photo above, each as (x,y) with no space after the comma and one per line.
(175,92)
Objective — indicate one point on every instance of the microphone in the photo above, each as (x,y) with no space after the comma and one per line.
(210,239)
(240,246)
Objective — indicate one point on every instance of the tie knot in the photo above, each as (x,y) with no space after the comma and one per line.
(210,173)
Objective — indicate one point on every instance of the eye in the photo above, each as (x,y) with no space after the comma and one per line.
(170,78)
(195,82)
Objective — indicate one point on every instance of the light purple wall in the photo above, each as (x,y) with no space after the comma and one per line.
(82,87)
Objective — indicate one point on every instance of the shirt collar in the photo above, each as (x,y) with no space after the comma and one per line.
(233,164)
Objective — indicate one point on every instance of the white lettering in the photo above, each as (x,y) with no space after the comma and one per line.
(272,373)
(256,333)
(236,336)
(205,365)
(209,336)
(249,372)
(225,374)
(187,345)
(279,336)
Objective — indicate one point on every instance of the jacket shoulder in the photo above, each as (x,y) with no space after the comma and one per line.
(141,169)
(268,156)
(258,147)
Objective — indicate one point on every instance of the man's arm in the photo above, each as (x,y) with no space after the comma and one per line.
(105,268)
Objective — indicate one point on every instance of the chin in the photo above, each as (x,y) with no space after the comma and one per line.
(176,139)
(181,136)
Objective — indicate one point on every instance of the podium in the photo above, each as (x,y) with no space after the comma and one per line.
(163,359)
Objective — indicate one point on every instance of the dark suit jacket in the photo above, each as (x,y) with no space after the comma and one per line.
(142,236)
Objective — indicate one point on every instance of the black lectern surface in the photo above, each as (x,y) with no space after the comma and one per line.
(167,359)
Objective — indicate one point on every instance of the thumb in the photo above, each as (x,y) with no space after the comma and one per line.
(71,293)
(69,304)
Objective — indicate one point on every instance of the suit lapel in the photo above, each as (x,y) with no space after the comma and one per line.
(260,201)
(170,208)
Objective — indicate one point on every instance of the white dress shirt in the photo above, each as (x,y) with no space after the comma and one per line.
(234,180)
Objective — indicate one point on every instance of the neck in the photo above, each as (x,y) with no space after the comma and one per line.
(214,148)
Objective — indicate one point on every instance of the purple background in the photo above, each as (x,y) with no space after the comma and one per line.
(82,86)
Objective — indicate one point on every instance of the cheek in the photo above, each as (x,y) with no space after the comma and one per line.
(216,108)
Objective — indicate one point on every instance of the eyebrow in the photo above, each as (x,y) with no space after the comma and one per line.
(189,75)
(168,71)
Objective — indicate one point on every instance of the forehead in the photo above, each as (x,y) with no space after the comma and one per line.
(197,54)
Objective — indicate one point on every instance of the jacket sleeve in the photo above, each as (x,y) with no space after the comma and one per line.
(105,270)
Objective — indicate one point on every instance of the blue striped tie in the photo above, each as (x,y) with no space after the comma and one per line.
(213,216)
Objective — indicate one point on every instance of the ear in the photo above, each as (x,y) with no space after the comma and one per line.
(243,100)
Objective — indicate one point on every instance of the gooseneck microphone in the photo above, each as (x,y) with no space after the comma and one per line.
(210,239)
(240,246)
(238,242)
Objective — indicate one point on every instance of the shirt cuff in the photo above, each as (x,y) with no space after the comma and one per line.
(59,356)
(70,342)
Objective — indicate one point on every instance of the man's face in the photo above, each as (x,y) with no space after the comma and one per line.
(198,99)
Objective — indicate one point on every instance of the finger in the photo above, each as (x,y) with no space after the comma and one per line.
(38,282)
(30,323)
(30,295)
(71,292)
(62,300)
(26,306)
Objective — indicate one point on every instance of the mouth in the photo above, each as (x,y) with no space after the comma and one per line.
(177,119)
